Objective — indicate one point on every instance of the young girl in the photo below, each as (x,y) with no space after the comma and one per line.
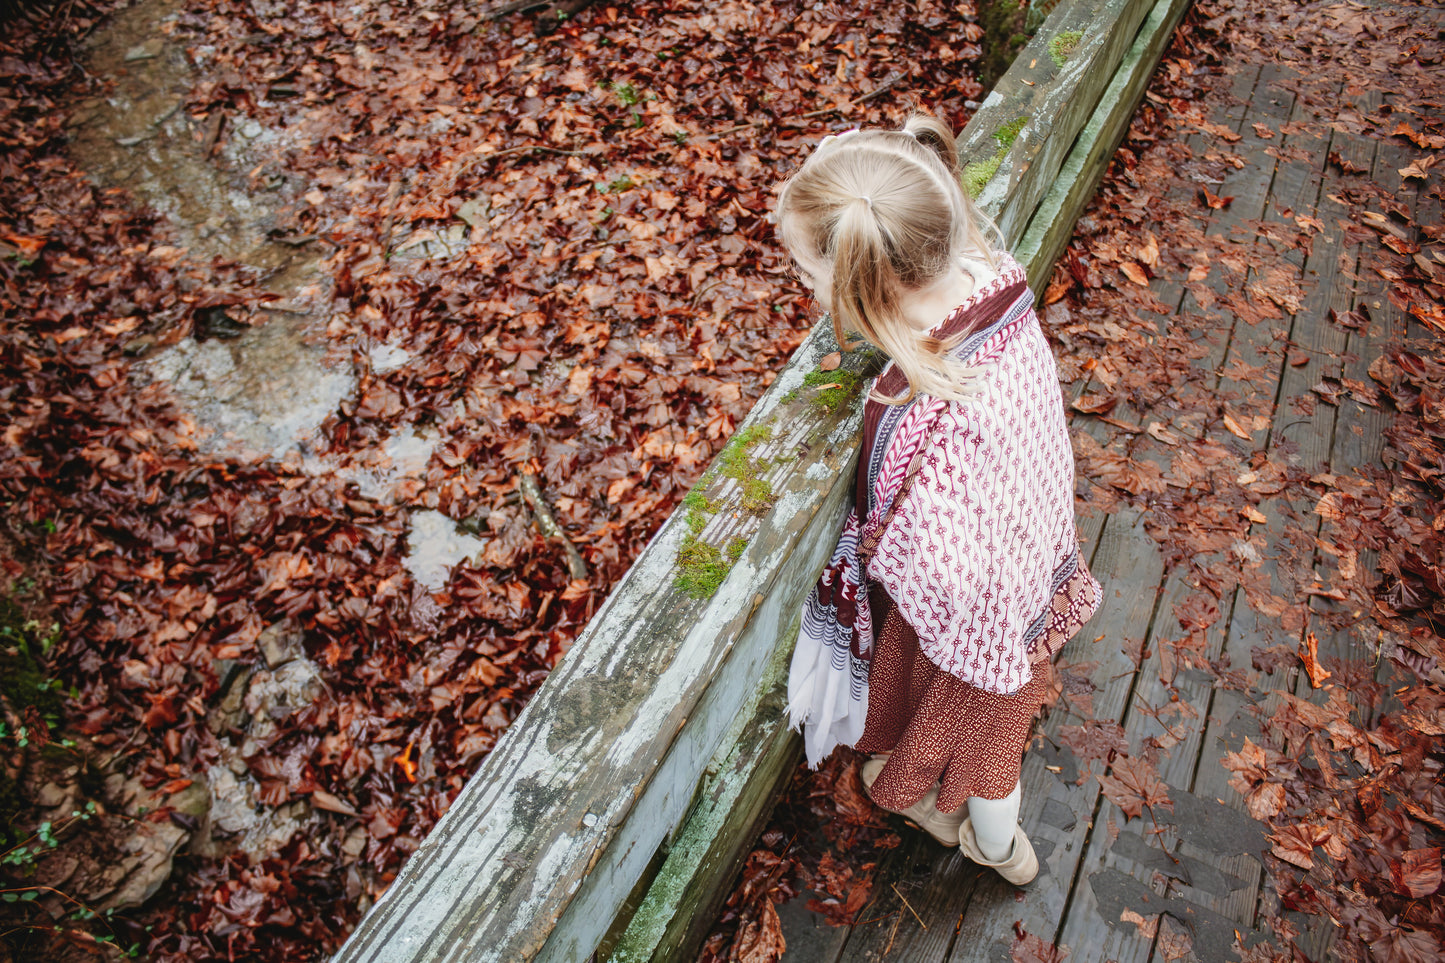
(929,638)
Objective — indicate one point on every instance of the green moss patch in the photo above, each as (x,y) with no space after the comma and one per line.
(26,689)
(736,462)
(1008,133)
(836,388)
(976,175)
(1064,45)
(702,567)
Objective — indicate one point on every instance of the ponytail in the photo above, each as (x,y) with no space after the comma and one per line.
(885,209)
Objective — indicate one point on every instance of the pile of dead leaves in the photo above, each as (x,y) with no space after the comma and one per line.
(562,231)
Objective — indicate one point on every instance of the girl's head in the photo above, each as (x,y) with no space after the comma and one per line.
(872,217)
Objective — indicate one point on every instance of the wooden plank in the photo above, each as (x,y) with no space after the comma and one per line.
(809,935)
(1256,345)
(1058,815)
(1243,628)
(771,610)
(1057,102)
(1243,189)
(919,897)
(1359,440)
(1327,344)
(1052,224)
(1422,206)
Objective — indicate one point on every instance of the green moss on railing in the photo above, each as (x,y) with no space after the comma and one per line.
(701,566)
(835,388)
(1064,45)
(1008,133)
(977,174)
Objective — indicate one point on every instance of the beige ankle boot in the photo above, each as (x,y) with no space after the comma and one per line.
(943,827)
(1021,866)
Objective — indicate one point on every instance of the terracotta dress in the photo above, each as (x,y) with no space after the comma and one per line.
(976,580)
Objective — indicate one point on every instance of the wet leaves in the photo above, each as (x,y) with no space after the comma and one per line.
(1309,655)
(1133,784)
(824,839)
(1031,948)
(1416,873)
(547,248)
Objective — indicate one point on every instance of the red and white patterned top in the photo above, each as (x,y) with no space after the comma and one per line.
(985,537)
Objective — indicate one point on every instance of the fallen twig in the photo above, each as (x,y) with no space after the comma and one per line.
(910,907)
(468,163)
(393,191)
(547,525)
(516,6)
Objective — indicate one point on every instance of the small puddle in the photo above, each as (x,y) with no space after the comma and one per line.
(434,546)
(267,390)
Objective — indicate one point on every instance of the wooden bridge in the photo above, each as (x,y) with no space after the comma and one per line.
(616,810)
(1110,890)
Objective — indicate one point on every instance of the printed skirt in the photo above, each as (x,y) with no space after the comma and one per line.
(936,725)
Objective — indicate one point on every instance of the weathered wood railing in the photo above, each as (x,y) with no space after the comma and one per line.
(611,816)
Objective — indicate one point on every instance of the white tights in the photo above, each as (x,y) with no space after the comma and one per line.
(993,823)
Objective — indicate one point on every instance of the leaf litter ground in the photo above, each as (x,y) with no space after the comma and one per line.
(557,225)
(1282,438)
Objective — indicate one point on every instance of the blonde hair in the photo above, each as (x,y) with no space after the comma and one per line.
(886,211)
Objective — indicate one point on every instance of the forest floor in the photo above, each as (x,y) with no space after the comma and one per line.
(309,312)
(1244,754)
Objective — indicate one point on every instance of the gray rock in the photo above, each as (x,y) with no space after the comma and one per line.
(143,851)
(143,865)
(238,822)
(281,643)
(273,694)
(149,50)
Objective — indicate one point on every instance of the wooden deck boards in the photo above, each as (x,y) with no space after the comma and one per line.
(1105,878)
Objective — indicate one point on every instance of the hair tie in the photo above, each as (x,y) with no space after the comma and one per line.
(868,201)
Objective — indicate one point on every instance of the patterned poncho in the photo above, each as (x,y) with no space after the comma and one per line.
(980,554)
